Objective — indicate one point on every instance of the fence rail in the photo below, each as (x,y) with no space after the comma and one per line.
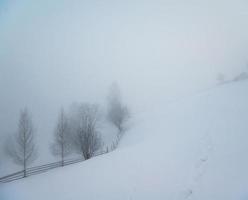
(40,169)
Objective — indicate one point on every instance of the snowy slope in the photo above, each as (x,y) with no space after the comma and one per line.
(195,148)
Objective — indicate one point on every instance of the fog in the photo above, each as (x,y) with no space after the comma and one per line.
(54,53)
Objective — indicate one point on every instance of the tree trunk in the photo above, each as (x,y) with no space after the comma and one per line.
(62,154)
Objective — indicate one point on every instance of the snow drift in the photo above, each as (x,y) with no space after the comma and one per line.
(195,148)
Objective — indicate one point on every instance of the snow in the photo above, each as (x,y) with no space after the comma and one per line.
(194,148)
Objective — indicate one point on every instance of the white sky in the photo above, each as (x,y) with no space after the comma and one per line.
(53,53)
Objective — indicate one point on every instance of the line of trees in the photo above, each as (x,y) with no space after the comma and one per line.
(77,131)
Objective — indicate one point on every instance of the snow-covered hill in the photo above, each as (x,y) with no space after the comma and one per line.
(195,148)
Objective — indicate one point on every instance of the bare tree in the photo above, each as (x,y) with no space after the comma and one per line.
(22,149)
(118,113)
(61,145)
(87,138)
